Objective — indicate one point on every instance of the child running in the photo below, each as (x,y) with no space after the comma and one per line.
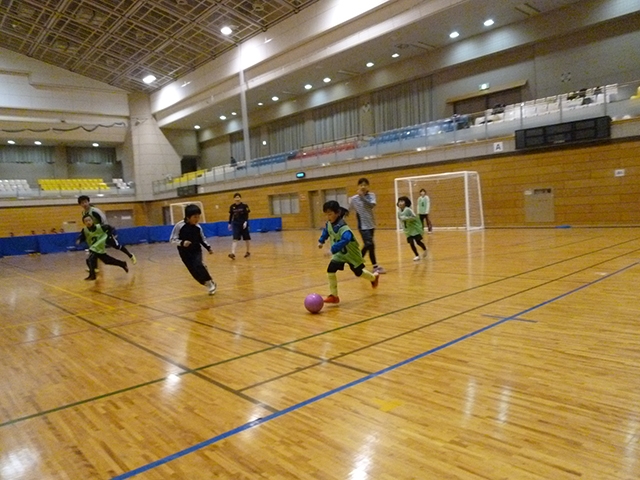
(96,237)
(345,249)
(189,238)
(100,218)
(412,226)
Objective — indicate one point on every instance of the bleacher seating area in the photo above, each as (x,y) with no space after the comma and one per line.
(14,188)
(72,184)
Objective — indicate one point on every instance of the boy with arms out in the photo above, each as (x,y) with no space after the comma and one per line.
(188,236)
(345,250)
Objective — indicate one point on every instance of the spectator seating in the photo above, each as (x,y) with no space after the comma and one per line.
(72,184)
(12,188)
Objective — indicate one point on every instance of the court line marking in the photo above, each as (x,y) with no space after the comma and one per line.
(293,408)
(284,345)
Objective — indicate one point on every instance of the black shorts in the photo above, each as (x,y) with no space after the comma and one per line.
(239,232)
(335,266)
(414,238)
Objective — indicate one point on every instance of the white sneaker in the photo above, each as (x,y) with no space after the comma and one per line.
(379,270)
(416,259)
(212,287)
(425,253)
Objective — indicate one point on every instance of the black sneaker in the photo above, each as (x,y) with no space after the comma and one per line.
(232,256)
(248,254)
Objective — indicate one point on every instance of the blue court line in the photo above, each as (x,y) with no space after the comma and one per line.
(321,396)
(514,319)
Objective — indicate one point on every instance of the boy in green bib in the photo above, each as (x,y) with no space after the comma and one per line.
(345,249)
(412,227)
(96,237)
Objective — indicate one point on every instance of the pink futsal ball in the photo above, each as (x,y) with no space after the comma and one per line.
(313,302)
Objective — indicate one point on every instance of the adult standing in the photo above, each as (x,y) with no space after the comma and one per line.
(363,203)
(239,225)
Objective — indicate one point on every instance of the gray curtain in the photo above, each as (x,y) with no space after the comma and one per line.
(337,121)
(286,134)
(91,155)
(401,105)
(19,154)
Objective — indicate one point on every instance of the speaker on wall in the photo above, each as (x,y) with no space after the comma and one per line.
(188,164)
(562,133)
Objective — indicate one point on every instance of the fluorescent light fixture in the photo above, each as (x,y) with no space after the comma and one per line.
(275,99)
(395,55)
(95,144)
(11,142)
(38,142)
(149,79)
(197,127)
(370,64)
(308,86)
(223,117)
(226,30)
(488,22)
(185,84)
(454,35)
(326,80)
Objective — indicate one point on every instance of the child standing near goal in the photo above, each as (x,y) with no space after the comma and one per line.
(189,238)
(345,249)
(424,205)
(412,226)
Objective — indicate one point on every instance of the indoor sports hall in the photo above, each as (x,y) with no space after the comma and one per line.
(508,350)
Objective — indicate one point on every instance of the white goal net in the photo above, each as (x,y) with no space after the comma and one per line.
(177,211)
(455,198)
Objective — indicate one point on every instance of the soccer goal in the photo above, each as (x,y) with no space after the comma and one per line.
(177,211)
(456,199)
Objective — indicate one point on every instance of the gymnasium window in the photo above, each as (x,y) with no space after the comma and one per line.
(284,204)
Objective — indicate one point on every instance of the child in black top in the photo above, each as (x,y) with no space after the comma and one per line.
(189,238)
(239,224)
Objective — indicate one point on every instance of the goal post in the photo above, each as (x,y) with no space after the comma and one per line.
(177,211)
(456,199)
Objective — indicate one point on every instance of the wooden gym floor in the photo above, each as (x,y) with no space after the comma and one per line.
(507,354)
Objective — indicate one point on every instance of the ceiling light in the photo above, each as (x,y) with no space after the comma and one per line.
(326,80)
(233,113)
(11,142)
(38,142)
(395,55)
(308,86)
(149,79)
(275,99)
(370,64)
(197,127)
(260,104)
(264,142)
(95,144)
(454,35)
(185,84)
(488,23)
(223,117)
(226,30)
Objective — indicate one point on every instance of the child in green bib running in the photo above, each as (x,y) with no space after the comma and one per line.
(345,249)
(96,237)
(412,227)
